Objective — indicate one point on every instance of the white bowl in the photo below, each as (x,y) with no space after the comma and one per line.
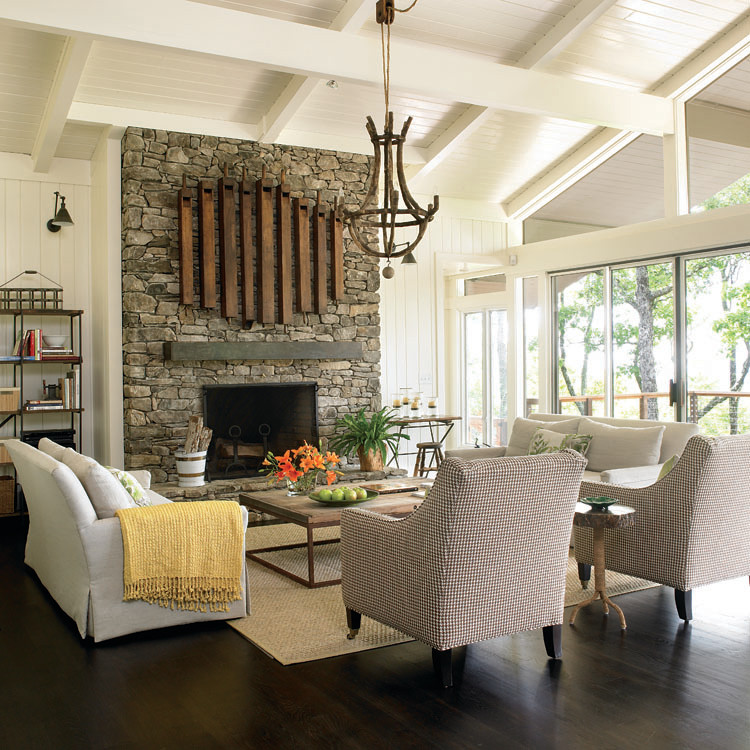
(54,340)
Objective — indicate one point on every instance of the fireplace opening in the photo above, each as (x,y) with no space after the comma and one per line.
(250,419)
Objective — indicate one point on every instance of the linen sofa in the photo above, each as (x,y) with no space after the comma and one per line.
(617,454)
(78,555)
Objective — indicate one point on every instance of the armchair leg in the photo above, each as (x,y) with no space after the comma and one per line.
(353,620)
(441,660)
(684,602)
(553,641)
(584,574)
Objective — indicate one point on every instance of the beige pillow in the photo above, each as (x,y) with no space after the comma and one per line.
(621,447)
(52,449)
(105,492)
(524,429)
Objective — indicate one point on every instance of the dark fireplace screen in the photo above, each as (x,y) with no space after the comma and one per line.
(248,420)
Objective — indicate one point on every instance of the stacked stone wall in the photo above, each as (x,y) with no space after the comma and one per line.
(160,395)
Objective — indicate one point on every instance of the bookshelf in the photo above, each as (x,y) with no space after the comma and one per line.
(46,378)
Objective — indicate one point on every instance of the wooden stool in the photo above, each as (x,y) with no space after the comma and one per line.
(436,458)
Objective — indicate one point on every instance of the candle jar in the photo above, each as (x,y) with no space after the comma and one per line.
(405,401)
(396,401)
(432,405)
(416,405)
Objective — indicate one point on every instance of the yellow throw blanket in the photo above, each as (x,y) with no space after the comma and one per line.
(183,555)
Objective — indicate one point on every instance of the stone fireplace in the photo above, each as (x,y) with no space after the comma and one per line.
(249,419)
(162,389)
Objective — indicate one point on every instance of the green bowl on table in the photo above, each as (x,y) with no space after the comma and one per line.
(600,503)
(334,499)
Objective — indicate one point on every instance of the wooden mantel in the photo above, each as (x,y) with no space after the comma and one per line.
(257,350)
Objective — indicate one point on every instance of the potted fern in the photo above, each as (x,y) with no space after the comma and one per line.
(368,437)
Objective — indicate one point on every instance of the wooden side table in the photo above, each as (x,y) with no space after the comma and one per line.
(614,517)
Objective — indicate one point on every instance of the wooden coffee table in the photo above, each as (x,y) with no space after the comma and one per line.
(310,515)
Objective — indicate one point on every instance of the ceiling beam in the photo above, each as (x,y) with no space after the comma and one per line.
(455,134)
(712,122)
(549,46)
(69,71)
(570,170)
(565,32)
(731,48)
(425,70)
(145,118)
(299,89)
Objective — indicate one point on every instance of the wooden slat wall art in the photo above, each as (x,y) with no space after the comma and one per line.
(185,230)
(207,244)
(336,235)
(302,275)
(246,250)
(288,269)
(320,282)
(227,247)
(264,249)
(284,251)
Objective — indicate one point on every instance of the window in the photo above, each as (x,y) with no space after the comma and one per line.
(660,340)
(485,377)
(530,292)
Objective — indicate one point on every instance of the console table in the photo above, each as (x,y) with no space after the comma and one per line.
(438,425)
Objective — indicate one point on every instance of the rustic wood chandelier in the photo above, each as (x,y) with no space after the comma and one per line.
(372,227)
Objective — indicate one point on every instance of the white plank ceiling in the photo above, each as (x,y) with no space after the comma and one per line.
(458,148)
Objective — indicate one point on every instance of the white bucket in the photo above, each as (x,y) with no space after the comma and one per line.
(190,468)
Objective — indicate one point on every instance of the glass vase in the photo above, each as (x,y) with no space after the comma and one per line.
(302,486)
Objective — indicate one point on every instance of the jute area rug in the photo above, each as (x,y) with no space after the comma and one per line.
(293,623)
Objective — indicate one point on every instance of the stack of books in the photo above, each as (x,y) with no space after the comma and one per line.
(44,405)
(57,354)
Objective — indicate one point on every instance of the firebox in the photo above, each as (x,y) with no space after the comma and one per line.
(250,419)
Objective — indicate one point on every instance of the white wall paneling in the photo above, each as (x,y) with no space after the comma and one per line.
(416,350)
(27,201)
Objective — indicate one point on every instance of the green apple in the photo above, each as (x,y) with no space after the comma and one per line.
(324,495)
(350,495)
(361,493)
(337,495)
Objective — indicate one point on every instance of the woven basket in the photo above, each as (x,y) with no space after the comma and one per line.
(7,494)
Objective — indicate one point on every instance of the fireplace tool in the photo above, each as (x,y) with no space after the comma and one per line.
(235,432)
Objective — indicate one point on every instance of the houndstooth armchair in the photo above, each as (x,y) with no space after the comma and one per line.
(691,528)
(484,555)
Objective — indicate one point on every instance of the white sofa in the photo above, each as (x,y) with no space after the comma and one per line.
(620,446)
(78,556)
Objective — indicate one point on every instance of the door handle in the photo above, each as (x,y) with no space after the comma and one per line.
(673,393)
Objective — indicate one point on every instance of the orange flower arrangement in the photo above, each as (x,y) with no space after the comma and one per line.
(300,467)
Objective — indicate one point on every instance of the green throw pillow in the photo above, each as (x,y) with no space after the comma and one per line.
(132,485)
(548,441)
(667,466)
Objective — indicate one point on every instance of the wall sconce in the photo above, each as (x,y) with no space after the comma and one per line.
(62,217)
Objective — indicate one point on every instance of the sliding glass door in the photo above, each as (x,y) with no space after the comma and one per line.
(580,325)
(659,340)
(642,340)
(717,303)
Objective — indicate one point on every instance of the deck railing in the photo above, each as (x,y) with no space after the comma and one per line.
(733,398)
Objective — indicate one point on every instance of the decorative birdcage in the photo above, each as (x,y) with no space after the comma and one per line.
(28,294)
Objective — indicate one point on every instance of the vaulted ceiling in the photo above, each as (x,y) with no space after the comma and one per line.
(551,108)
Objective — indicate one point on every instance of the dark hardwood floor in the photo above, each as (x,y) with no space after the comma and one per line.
(660,685)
